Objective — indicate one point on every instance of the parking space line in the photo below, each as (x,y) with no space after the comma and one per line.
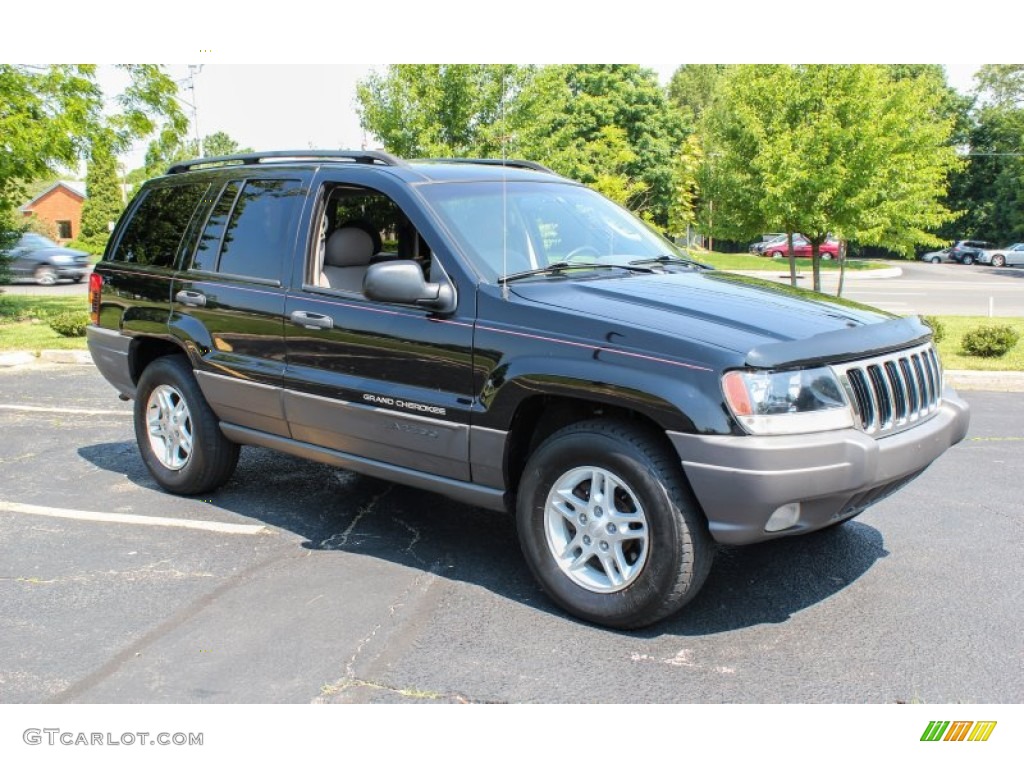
(116,517)
(68,411)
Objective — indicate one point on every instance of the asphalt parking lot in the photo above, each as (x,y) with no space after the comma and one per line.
(298,582)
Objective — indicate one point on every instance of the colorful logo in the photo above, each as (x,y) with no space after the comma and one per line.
(958,730)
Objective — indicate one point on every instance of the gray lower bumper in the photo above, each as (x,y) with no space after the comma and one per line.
(741,481)
(109,350)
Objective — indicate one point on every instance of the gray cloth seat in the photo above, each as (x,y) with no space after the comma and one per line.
(347,254)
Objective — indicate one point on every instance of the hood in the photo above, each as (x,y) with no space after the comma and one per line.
(768,324)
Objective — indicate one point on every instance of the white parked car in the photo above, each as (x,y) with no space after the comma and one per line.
(1010,256)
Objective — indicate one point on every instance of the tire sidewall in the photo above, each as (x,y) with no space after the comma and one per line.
(667,529)
(171,371)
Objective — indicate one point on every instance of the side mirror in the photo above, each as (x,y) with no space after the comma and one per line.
(402,282)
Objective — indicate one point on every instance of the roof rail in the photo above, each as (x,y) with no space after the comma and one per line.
(368,157)
(508,162)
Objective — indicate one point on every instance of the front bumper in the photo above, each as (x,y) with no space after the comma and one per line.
(741,481)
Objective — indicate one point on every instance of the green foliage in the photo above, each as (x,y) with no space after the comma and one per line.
(94,248)
(693,88)
(989,340)
(171,147)
(847,150)
(103,202)
(938,329)
(441,110)
(610,126)
(51,116)
(69,324)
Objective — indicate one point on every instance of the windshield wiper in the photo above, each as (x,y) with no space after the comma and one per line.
(560,267)
(666,259)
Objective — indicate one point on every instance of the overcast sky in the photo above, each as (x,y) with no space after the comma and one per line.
(302,106)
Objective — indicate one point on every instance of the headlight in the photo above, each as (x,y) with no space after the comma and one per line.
(787,402)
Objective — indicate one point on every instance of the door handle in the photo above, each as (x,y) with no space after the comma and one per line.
(311,319)
(190,298)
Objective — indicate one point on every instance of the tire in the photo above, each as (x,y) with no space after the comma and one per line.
(77,279)
(45,275)
(776,254)
(627,581)
(998,260)
(178,434)
(934,260)
(826,256)
(967,260)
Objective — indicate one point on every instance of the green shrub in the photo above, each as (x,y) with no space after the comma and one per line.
(938,329)
(93,247)
(989,340)
(70,323)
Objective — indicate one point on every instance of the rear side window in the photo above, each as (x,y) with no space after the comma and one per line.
(153,235)
(251,228)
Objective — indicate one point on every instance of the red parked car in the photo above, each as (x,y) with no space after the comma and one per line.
(801,248)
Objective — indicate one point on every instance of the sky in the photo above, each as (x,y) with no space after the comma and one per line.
(303,106)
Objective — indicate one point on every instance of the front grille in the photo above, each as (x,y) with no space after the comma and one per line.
(893,392)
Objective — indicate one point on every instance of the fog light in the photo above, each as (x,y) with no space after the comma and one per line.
(784,517)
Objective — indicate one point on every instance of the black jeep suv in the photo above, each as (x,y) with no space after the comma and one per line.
(491,331)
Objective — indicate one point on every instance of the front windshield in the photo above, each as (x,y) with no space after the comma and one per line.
(519,226)
(34,240)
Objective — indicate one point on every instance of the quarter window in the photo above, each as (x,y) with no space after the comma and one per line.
(153,235)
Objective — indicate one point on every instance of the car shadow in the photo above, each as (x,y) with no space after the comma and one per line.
(336,510)
(1017,272)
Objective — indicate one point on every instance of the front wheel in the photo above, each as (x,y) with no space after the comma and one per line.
(46,275)
(609,527)
(178,434)
(998,260)
(934,259)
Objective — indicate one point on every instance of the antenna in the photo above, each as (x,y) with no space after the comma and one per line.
(504,194)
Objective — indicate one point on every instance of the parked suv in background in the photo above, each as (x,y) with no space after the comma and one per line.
(969,251)
(491,331)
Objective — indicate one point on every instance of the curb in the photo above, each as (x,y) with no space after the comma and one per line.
(990,381)
(12,359)
(857,274)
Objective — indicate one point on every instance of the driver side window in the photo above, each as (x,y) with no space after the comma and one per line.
(359,227)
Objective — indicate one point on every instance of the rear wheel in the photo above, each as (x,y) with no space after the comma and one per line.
(968,259)
(609,527)
(178,434)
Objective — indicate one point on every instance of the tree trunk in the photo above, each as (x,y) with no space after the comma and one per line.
(792,259)
(816,264)
(842,266)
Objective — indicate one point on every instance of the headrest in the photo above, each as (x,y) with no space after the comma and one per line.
(348,247)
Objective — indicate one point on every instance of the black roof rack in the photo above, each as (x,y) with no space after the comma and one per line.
(368,157)
(508,162)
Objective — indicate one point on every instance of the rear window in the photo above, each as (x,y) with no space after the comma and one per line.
(153,235)
(251,228)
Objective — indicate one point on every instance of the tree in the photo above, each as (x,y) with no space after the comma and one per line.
(104,201)
(692,89)
(170,147)
(219,144)
(441,110)
(50,116)
(828,149)
(610,126)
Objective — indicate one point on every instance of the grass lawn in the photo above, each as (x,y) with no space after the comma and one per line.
(746,262)
(956,326)
(23,322)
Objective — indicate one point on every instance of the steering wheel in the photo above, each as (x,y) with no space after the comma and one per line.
(579,251)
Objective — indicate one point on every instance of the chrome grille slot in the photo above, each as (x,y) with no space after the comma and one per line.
(892,392)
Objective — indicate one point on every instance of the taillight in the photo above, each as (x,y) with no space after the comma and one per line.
(95,289)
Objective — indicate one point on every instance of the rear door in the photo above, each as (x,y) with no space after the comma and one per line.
(229,297)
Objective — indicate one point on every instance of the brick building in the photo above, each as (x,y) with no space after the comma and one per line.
(60,204)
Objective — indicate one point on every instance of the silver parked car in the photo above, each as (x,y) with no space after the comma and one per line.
(1010,256)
